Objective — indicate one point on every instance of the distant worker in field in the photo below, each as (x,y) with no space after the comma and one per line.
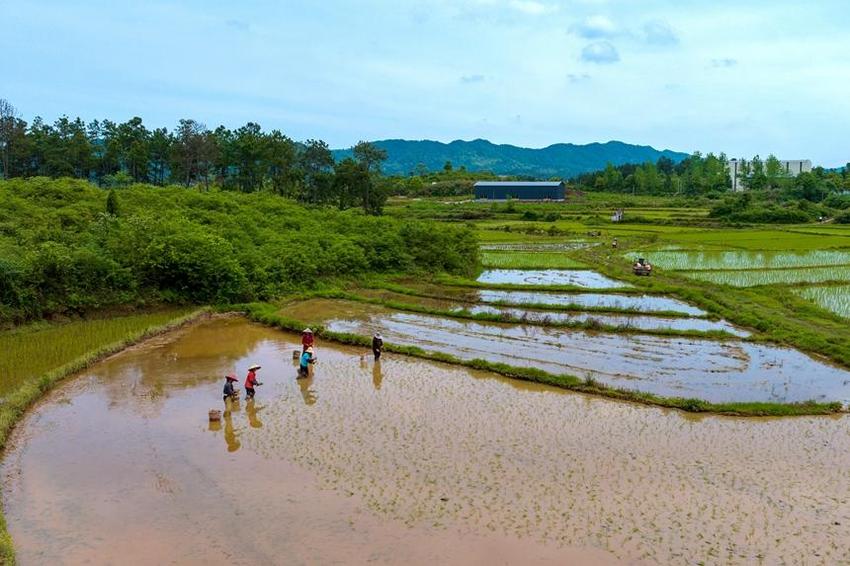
(377,345)
(307,339)
(615,244)
(251,382)
(307,358)
(229,387)
(642,267)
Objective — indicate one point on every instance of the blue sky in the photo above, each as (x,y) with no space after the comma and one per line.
(740,77)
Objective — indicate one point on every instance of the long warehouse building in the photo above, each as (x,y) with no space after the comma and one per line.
(520,190)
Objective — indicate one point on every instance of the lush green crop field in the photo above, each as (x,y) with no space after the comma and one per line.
(528,260)
(835,299)
(759,239)
(33,350)
(738,260)
(498,236)
(751,278)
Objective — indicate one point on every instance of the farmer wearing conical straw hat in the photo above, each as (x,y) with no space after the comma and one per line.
(229,389)
(307,339)
(251,381)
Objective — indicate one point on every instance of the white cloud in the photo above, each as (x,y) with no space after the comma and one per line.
(468,79)
(724,63)
(531,7)
(595,27)
(601,52)
(659,32)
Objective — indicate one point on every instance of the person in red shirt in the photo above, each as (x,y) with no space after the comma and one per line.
(251,381)
(307,340)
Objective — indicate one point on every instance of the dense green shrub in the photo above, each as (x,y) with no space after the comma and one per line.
(840,202)
(61,251)
(742,209)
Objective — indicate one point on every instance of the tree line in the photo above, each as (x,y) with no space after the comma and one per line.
(699,175)
(245,159)
(69,247)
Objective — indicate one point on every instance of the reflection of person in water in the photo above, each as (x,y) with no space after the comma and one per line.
(377,377)
(233,443)
(307,393)
(252,411)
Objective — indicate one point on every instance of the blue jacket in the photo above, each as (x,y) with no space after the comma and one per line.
(306,358)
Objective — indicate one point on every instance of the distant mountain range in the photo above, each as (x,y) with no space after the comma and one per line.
(564,160)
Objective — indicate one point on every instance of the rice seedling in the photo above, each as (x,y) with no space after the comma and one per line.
(33,350)
(752,278)
(528,260)
(835,299)
(741,260)
(536,247)
(759,239)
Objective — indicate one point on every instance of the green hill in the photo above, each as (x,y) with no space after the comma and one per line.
(560,160)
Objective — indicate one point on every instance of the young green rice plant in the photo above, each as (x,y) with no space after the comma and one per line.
(33,350)
(535,247)
(528,260)
(740,260)
(835,299)
(760,239)
(751,278)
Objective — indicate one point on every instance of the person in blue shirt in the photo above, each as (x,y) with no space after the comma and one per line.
(229,388)
(307,358)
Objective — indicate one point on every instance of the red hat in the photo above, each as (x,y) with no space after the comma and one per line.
(231,377)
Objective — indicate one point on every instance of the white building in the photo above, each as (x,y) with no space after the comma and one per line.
(739,169)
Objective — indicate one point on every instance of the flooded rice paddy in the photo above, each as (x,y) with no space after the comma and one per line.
(576,277)
(669,366)
(729,260)
(835,299)
(643,303)
(404,461)
(538,247)
(638,322)
(578,300)
(626,321)
(751,278)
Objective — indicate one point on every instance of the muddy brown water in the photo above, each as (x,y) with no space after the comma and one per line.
(404,461)
(637,321)
(577,277)
(716,371)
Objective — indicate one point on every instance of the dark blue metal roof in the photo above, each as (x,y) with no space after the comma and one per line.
(519,183)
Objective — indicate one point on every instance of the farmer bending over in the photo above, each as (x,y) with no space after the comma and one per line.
(307,358)
(251,381)
(377,345)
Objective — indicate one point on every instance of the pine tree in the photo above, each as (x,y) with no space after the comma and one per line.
(112,206)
